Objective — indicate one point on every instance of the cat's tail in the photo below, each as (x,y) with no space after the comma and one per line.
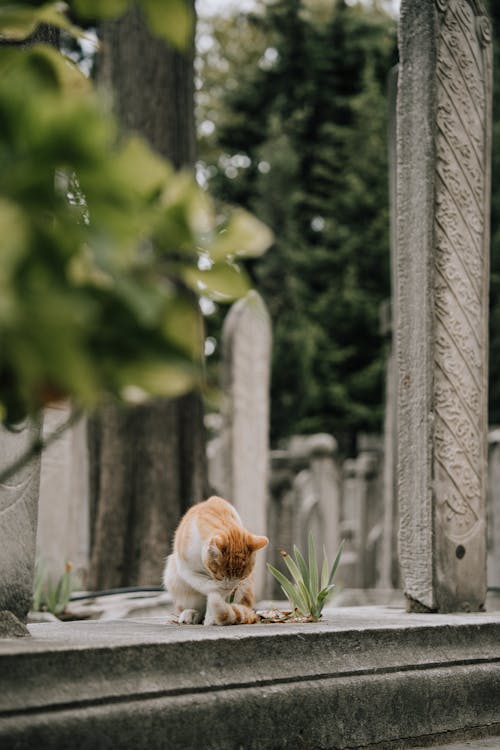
(222,613)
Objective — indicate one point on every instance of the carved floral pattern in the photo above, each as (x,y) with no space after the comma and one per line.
(463,74)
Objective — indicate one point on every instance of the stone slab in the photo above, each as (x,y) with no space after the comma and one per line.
(486,743)
(366,675)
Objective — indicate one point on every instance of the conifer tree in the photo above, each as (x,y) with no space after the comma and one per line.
(312,129)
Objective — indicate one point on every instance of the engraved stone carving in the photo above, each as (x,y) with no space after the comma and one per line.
(443,204)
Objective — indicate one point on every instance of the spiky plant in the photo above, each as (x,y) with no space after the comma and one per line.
(307,591)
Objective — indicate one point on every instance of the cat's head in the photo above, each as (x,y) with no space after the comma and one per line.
(230,556)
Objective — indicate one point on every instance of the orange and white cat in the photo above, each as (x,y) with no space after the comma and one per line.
(209,573)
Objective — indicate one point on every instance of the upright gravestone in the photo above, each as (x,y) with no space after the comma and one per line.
(18,519)
(318,492)
(247,362)
(443,185)
(63,509)
(361,515)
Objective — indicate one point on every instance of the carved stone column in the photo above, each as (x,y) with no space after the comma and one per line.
(443,184)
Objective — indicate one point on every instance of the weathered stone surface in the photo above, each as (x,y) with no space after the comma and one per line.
(365,676)
(63,509)
(11,627)
(443,175)
(18,519)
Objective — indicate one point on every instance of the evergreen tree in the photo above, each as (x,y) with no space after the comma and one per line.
(311,130)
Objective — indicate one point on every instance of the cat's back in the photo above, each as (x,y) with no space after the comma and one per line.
(203,520)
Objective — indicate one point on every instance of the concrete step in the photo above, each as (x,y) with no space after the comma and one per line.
(487,743)
(366,677)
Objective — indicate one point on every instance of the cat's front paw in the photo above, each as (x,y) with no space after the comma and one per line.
(190,617)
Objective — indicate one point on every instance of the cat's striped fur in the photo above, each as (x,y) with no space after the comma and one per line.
(209,573)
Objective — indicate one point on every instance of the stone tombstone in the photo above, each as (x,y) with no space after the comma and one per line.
(18,519)
(443,187)
(361,521)
(317,489)
(63,509)
(247,342)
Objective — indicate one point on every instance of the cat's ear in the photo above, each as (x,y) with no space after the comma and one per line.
(216,546)
(257,542)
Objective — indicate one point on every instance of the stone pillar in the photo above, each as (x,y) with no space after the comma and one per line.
(443,187)
(247,365)
(18,519)
(63,510)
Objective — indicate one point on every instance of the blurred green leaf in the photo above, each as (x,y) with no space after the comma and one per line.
(99,238)
(244,236)
(223,281)
(138,166)
(183,326)
(102,9)
(19,20)
(156,378)
(171,19)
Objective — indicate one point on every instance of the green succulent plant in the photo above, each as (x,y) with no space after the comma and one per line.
(307,591)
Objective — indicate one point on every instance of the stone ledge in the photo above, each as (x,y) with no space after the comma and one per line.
(365,676)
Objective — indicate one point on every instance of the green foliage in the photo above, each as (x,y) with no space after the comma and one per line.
(104,249)
(171,19)
(301,141)
(307,590)
(49,596)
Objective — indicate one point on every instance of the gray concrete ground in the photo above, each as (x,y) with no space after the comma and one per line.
(365,677)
